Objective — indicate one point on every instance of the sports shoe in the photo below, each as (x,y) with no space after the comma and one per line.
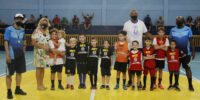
(170,87)
(107,87)
(154,86)
(9,95)
(191,88)
(133,87)
(124,87)
(52,87)
(19,92)
(160,86)
(61,87)
(102,86)
(68,86)
(72,87)
(117,86)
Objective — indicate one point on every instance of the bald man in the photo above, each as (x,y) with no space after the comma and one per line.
(184,40)
(135,29)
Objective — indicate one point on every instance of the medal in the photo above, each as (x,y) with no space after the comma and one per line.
(19,41)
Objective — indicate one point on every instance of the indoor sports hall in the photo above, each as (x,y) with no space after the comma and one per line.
(99,20)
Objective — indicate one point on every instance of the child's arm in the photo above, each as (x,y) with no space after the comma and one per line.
(115,50)
(111,62)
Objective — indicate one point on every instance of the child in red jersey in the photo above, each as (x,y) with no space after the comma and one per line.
(161,44)
(173,64)
(149,62)
(135,65)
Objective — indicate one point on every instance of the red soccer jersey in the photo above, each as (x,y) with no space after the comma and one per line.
(135,61)
(150,63)
(160,54)
(173,60)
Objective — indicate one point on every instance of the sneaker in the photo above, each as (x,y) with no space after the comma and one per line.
(154,86)
(129,84)
(133,87)
(138,88)
(68,86)
(191,88)
(177,88)
(117,86)
(124,87)
(84,86)
(80,86)
(151,88)
(60,87)
(72,87)
(95,87)
(107,87)
(19,92)
(92,87)
(52,87)
(144,88)
(170,87)
(9,95)
(102,86)
(140,85)
(160,86)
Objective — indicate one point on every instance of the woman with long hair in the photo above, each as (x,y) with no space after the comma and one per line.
(40,41)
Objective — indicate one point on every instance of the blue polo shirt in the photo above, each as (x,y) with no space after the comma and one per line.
(182,37)
(15,38)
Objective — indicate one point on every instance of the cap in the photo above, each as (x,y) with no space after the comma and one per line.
(19,15)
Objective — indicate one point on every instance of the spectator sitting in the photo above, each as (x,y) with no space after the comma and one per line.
(189,22)
(88,18)
(148,22)
(40,17)
(64,23)
(56,21)
(75,22)
(197,23)
(160,23)
(32,22)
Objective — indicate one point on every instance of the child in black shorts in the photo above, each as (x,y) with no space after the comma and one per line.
(70,64)
(106,63)
(82,50)
(93,58)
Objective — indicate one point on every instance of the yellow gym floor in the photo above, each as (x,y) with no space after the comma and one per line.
(29,86)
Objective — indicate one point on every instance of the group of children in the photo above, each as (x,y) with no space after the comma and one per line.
(85,57)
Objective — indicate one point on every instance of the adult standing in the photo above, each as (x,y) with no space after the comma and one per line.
(15,46)
(135,29)
(40,41)
(184,40)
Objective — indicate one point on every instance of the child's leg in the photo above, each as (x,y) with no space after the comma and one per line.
(80,78)
(138,80)
(176,73)
(103,80)
(156,70)
(133,79)
(124,78)
(118,76)
(68,79)
(145,77)
(72,79)
(91,79)
(59,78)
(52,79)
(84,78)
(107,80)
(170,77)
(160,76)
(95,79)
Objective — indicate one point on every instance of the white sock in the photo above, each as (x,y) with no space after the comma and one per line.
(68,79)
(72,80)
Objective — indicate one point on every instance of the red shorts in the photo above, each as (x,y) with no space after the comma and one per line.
(151,70)
(173,66)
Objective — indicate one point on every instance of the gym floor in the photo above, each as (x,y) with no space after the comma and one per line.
(29,85)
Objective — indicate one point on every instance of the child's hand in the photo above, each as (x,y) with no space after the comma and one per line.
(110,68)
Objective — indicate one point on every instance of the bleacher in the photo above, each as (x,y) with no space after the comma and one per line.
(101,32)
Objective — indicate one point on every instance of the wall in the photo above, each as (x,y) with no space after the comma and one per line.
(107,12)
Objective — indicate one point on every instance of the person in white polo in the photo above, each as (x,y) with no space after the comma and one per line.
(135,29)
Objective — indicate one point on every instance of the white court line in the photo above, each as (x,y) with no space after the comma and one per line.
(196,79)
(93,91)
(2,75)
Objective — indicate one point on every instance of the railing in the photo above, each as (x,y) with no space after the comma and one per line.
(100,38)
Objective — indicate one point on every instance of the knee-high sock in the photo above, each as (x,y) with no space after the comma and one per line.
(95,80)
(91,80)
(170,78)
(80,78)
(84,78)
(144,80)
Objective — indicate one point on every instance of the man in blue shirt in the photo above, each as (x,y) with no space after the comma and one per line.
(184,40)
(15,46)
